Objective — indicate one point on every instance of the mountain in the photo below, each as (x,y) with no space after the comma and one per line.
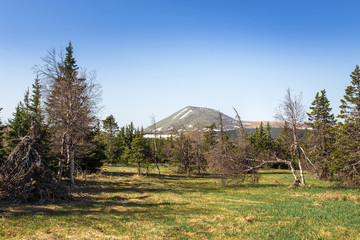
(197,118)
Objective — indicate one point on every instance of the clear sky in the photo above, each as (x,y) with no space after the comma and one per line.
(154,57)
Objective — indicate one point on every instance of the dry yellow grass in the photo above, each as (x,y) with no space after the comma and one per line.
(117,204)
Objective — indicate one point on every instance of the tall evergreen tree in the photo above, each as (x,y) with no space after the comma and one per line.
(29,112)
(19,125)
(322,133)
(348,143)
(113,147)
(210,137)
(261,139)
(138,151)
(110,126)
(35,101)
(94,156)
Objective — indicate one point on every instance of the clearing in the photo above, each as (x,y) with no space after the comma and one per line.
(118,204)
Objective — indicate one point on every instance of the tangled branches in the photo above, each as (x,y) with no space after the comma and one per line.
(24,178)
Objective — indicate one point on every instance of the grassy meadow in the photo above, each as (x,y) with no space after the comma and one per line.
(118,204)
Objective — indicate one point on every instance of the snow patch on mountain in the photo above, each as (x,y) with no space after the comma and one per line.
(186,114)
(179,113)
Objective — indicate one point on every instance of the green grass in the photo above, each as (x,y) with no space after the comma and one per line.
(117,204)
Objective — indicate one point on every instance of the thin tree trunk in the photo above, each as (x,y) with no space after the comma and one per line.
(155,156)
(62,157)
(72,163)
(302,178)
(139,172)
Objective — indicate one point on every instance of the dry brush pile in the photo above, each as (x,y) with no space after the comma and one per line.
(25,178)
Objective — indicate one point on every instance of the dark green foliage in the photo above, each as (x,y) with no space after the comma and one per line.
(111,140)
(261,139)
(93,158)
(210,137)
(348,139)
(110,126)
(19,125)
(124,140)
(282,146)
(138,152)
(350,104)
(321,138)
(35,101)
(27,113)
(70,62)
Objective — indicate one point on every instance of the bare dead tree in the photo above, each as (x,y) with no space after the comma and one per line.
(231,161)
(241,131)
(291,111)
(221,125)
(72,98)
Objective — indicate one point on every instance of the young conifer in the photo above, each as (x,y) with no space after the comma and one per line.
(322,133)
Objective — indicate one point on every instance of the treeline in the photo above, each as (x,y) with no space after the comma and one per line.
(313,140)
(62,106)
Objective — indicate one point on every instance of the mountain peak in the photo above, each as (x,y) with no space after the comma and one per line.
(192,118)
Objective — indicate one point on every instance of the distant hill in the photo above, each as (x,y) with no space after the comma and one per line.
(197,118)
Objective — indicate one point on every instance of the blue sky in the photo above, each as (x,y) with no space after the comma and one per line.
(154,57)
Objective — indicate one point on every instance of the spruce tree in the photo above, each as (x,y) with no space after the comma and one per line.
(29,112)
(322,134)
(35,101)
(261,139)
(138,150)
(93,157)
(19,125)
(268,138)
(210,137)
(111,141)
(348,144)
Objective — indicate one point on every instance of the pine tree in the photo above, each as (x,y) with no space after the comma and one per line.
(138,150)
(29,112)
(261,139)
(269,141)
(210,137)
(110,126)
(35,101)
(348,143)
(93,158)
(282,145)
(19,125)
(322,133)
(113,148)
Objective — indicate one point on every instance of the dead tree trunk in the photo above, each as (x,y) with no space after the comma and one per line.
(72,163)
(291,111)
(62,158)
